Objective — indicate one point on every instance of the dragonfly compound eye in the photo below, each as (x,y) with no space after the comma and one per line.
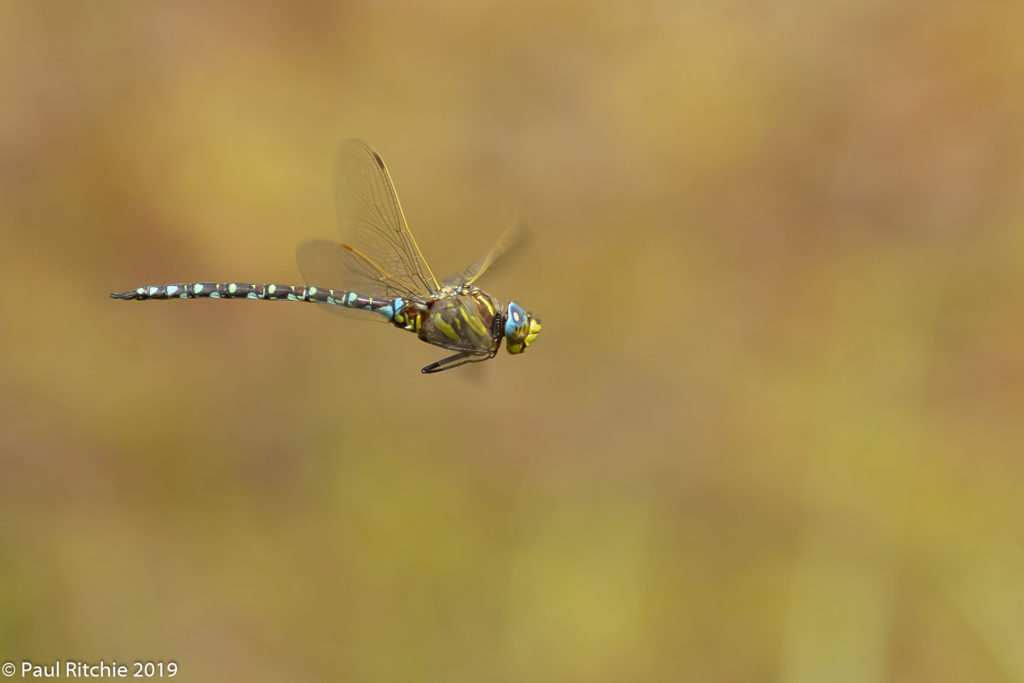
(521,328)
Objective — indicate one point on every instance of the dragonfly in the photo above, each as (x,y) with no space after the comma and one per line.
(377,270)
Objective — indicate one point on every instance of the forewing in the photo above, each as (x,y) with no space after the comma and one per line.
(370,219)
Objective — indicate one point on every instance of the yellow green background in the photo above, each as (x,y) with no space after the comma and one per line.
(771,431)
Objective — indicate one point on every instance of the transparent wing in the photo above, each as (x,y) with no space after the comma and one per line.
(370,219)
(512,236)
(334,265)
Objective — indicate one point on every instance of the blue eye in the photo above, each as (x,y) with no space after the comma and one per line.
(521,328)
(515,321)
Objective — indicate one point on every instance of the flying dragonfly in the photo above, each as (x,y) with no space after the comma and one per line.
(378,268)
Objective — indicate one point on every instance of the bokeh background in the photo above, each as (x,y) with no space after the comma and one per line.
(772,430)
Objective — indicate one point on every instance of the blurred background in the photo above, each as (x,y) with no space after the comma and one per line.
(771,430)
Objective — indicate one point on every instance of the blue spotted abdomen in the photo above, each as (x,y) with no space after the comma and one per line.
(397,310)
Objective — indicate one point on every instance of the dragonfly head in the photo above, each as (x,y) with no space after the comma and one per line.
(521,328)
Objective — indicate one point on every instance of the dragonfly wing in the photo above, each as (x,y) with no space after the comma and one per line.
(333,265)
(512,236)
(370,219)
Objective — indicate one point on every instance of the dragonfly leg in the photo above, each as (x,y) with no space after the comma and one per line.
(460,358)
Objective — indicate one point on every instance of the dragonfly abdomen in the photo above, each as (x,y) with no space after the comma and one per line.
(272,292)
